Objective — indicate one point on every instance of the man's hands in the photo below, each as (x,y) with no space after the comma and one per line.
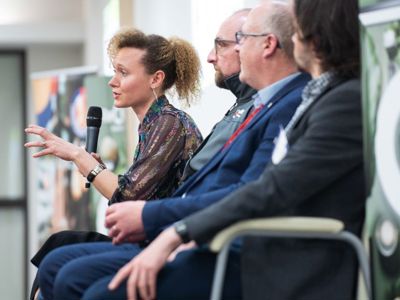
(124,221)
(182,247)
(142,270)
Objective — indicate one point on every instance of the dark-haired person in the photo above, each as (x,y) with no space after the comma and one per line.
(83,271)
(226,63)
(321,175)
(146,66)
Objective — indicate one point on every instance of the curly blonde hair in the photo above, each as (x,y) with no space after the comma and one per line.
(175,57)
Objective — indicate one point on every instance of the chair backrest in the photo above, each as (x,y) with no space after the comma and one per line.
(292,227)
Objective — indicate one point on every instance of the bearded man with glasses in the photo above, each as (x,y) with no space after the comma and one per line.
(84,271)
(227,67)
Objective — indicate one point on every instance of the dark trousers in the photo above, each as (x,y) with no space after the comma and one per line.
(83,271)
(59,239)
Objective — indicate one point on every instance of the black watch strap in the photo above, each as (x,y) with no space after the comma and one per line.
(95,172)
(181,230)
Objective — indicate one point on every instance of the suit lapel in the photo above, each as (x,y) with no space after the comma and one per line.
(301,112)
(295,83)
(290,86)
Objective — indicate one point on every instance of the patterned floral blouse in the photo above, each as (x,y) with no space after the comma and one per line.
(167,139)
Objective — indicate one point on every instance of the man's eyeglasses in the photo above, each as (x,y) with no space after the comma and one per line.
(239,36)
(219,44)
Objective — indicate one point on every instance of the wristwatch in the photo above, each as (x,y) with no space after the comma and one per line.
(181,230)
(97,169)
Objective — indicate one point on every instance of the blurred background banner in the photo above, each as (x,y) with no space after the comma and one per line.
(381,107)
(61,100)
(60,105)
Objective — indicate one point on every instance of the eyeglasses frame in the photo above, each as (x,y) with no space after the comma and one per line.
(240,35)
(219,43)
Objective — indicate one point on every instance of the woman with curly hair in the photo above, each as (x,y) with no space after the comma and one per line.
(146,67)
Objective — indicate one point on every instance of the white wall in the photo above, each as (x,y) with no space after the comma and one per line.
(93,28)
(198,22)
(48,57)
(37,11)
(166,18)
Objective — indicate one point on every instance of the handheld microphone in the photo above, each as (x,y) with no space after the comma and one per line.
(93,123)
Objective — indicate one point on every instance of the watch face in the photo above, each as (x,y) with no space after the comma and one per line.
(387,143)
(181,230)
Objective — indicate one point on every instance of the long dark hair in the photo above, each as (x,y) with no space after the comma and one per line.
(332,27)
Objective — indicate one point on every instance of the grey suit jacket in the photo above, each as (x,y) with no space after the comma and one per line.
(322,175)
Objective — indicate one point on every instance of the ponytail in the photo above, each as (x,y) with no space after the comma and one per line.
(188,69)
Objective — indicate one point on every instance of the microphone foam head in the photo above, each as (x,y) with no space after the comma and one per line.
(94,116)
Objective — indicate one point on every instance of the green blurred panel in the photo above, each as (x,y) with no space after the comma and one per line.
(380,44)
(363,3)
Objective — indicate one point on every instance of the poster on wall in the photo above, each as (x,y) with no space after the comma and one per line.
(61,100)
(381,107)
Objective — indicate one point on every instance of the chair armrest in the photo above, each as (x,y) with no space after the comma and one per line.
(278,225)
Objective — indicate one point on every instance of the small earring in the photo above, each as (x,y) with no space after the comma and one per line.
(154,93)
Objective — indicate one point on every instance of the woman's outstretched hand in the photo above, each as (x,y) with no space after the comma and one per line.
(51,144)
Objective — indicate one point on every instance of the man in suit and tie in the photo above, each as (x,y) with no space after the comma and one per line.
(226,63)
(321,174)
(268,66)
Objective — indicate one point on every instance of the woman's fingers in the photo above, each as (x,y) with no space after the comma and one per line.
(43,133)
(52,144)
(35,144)
(39,144)
(34,129)
(41,153)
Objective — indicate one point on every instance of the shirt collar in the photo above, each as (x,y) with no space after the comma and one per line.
(242,91)
(317,86)
(264,95)
(155,110)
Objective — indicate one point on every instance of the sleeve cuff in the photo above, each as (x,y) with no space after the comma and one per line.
(150,219)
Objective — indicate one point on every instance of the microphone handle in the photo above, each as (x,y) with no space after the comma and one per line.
(91,139)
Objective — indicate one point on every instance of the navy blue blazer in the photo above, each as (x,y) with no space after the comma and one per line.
(322,175)
(241,162)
